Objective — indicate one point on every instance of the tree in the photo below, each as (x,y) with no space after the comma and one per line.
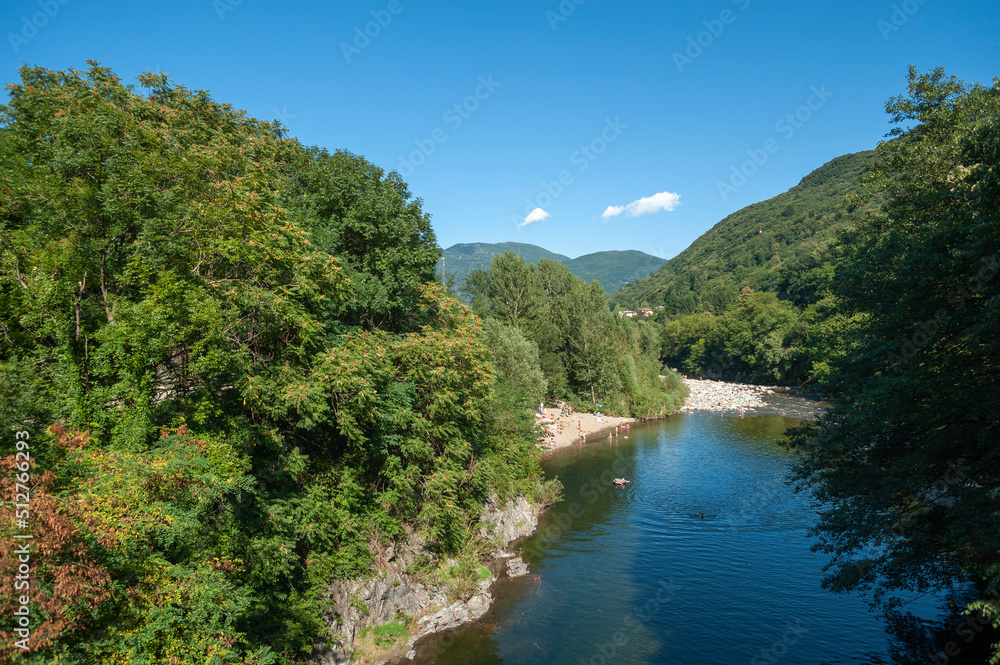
(906,461)
(587,354)
(594,349)
(369,220)
(509,291)
(515,358)
(237,367)
(759,339)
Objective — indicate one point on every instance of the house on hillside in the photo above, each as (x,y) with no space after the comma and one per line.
(627,312)
(646,311)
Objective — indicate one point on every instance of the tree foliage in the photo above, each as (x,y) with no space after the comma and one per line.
(515,358)
(761,339)
(249,369)
(907,460)
(587,354)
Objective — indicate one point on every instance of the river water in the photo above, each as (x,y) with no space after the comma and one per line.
(703,559)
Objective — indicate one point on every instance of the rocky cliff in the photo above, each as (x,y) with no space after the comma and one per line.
(390,593)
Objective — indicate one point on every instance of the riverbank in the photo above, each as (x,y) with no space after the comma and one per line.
(706,395)
(725,396)
(758,400)
(562,431)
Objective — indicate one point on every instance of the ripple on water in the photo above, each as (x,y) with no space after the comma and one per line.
(643,564)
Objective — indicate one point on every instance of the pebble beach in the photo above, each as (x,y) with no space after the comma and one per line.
(724,396)
(564,430)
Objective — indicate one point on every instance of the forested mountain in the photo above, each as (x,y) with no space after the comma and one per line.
(613,269)
(461,259)
(781,245)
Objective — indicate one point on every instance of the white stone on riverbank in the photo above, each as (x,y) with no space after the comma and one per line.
(724,396)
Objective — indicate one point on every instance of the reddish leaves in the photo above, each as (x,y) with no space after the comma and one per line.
(65,583)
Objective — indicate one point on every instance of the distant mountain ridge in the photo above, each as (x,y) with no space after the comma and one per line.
(784,244)
(613,269)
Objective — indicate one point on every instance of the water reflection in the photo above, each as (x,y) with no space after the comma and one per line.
(703,558)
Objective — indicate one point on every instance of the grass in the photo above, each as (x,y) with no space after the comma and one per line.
(379,640)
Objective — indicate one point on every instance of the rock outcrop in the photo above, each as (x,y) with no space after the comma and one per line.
(516,567)
(456,614)
(391,593)
(514,520)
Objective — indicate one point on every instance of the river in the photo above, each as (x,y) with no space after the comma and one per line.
(704,558)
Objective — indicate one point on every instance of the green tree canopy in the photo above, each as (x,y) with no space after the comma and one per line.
(514,357)
(237,369)
(587,353)
(907,460)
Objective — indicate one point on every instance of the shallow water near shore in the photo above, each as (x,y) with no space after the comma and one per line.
(703,558)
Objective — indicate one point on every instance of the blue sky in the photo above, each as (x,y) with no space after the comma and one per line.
(625,123)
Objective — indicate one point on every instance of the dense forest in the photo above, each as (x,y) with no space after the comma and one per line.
(751,299)
(586,354)
(233,370)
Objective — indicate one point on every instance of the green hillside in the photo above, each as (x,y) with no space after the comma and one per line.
(782,244)
(461,259)
(613,269)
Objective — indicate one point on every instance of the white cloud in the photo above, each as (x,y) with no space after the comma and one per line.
(647,205)
(612,211)
(665,201)
(535,215)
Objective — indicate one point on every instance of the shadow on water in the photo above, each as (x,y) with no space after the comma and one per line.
(703,558)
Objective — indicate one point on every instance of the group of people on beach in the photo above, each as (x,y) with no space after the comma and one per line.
(549,438)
